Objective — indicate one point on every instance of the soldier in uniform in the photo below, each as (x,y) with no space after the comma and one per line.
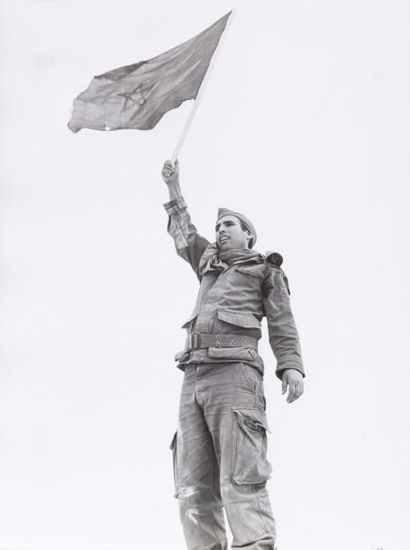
(219,449)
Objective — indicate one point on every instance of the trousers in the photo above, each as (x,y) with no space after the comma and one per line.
(219,458)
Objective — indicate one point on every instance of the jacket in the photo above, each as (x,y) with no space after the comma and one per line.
(234,301)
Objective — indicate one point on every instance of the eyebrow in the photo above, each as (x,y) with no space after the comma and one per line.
(228,222)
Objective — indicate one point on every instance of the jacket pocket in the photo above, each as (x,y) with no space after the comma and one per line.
(189,322)
(250,463)
(250,272)
(240,353)
(173,448)
(244,320)
(182,356)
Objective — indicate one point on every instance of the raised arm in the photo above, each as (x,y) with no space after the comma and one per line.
(188,243)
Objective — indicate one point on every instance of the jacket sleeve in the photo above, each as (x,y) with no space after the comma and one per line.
(283,334)
(188,243)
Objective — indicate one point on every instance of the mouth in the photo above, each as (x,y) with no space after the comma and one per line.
(223,239)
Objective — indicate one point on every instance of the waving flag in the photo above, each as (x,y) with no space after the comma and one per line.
(138,95)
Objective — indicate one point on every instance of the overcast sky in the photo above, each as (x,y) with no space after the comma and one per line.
(304,127)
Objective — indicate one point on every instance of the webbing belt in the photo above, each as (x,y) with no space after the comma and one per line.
(197,340)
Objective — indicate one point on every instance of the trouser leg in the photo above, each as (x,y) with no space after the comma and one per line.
(234,409)
(197,474)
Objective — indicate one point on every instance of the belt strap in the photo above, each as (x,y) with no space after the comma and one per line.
(197,340)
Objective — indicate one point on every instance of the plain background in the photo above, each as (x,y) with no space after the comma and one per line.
(305,128)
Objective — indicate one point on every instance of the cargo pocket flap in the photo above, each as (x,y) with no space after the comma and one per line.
(240,353)
(238,319)
(252,418)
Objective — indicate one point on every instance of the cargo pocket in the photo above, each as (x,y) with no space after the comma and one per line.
(250,463)
(173,448)
(243,320)
(240,353)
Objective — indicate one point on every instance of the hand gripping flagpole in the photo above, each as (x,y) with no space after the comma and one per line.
(200,93)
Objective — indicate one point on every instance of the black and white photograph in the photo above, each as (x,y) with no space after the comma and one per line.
(204,275)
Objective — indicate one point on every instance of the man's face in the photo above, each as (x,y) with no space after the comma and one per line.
(229,234)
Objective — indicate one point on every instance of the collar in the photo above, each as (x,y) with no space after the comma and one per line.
(213,260)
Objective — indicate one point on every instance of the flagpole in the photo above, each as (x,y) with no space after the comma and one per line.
(200,93)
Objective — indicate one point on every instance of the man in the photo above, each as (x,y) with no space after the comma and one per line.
(219,449)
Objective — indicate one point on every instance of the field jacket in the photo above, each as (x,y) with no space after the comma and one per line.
(234,301)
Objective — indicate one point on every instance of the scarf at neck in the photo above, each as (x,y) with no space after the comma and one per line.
(213,260)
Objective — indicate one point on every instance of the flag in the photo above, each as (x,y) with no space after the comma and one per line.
(138,95)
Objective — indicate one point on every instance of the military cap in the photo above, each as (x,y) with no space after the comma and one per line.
(247,223)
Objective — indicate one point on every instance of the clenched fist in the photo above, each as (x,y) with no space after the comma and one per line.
(170,172)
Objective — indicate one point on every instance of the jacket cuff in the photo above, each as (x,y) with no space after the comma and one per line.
(280,369)
(175,206)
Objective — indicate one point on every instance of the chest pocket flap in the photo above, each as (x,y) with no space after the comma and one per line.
(250,271)
(245,320)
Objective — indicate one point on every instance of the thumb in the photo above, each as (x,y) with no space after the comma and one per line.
(284,385)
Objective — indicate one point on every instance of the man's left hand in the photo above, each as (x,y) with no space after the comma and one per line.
(292,379)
